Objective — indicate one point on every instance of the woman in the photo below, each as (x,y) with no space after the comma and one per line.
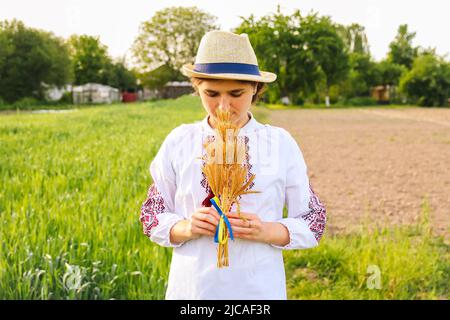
(177,211)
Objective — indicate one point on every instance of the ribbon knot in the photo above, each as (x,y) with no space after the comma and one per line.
(218,237)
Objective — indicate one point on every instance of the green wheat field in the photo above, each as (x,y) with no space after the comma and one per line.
(71,189)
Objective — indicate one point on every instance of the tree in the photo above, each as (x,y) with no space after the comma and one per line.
(428,81)
(328,49)
(300,50)
(5,48)
(29,60)
(355,38)
(119,76)
(158,77)
(280,47)
(363,75)
(401,49)
(389,73)
(90,60)
(171,38)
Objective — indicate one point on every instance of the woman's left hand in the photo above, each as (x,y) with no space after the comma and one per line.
(252,229)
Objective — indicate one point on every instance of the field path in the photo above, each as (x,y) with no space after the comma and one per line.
(376,163)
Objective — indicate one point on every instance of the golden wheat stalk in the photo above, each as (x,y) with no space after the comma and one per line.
(226,173)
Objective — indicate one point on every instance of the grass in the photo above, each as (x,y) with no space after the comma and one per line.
(36,105)
(388,263)
(72,186)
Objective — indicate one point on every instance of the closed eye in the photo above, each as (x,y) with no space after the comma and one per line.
(214,94)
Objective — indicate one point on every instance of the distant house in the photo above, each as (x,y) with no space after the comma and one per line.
(147,94)
(171,90)
(95,93)
(174,89)
(382,94)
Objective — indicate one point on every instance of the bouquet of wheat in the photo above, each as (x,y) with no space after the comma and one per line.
(226,175)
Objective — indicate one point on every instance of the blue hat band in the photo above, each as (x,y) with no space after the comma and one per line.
(227,67)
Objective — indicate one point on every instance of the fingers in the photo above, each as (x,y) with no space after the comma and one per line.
(236,215)
(207,217)
(251,221)
(204,225)
(246,229)
(241,230)
(249,216)
(211,211)
(239,222)
(202,231)
(205,221)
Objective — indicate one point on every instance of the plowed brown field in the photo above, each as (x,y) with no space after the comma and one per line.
(375,164)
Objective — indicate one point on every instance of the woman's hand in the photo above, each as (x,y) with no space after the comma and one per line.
(203,222)
(252,229)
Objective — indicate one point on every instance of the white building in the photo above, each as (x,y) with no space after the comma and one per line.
(95,93)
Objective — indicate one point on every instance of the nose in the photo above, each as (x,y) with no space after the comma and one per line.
(224,103)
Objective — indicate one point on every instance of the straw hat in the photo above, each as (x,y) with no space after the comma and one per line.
(226,55)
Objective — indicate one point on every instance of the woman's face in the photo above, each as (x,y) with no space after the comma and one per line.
(227,94)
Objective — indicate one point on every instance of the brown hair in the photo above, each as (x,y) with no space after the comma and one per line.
(261,87)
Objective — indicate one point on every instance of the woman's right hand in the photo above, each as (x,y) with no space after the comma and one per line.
(204,222)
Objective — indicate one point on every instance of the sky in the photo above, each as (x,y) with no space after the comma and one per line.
(117,22)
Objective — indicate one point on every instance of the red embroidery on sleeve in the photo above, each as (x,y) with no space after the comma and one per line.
(316,217)
(152,206)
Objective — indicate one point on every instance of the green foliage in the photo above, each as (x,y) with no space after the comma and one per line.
(363,75)
(300,50)
(90,59)
(67,98)
(313,58)
(159,77)
(121,77)
(355,38)
(279,46)
(326,46)
(26,103)
(171,37)
(91,63)
(389,73)
(401,50)
(30,58)
(358,101)
(428,82)
(5,47)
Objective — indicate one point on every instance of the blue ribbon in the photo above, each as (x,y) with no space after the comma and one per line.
(227,222)
(227,67)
